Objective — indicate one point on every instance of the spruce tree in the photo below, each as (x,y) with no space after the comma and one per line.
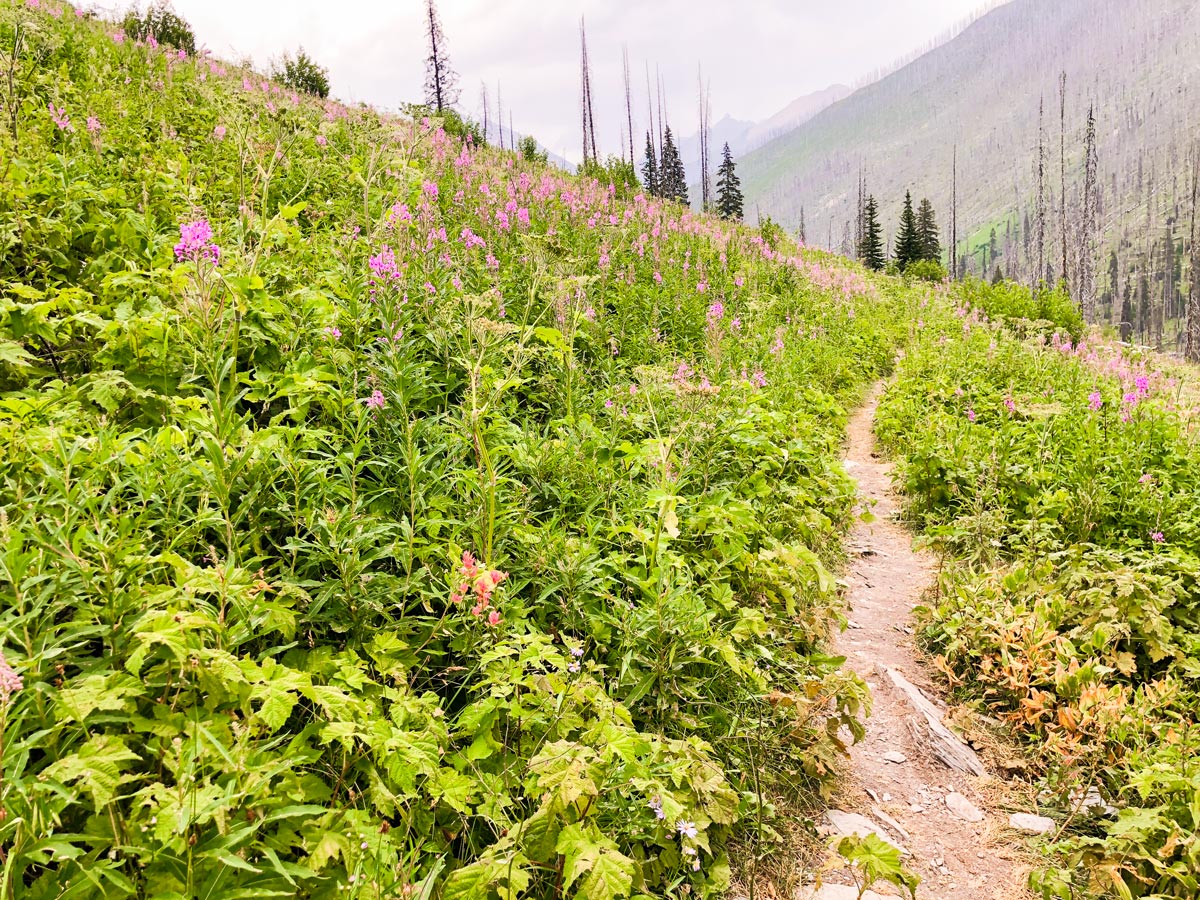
(729,188)
(650,172)
(441,81)
(931,246)
(870,248)
(672,178)
(908,239)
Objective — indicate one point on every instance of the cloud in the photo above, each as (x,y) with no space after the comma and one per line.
(757,55)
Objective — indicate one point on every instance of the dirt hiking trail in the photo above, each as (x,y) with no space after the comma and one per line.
(899,781)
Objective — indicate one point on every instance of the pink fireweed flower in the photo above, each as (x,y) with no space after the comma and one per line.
(60,118)
(608,404)
(1142,383)
(334,332)
(219,133)
(10,681)
(970,415)
(383,264)
(777,347)
(759,379)
(195,243)
(658,278)
(716,311)
(739,281)
(735,325)
(1010,404)
(430,189)
(399,213)
(322,140)
(701,287)
(376,400)
(93,125)
(1146,479)
(1158,537)
(1095,401)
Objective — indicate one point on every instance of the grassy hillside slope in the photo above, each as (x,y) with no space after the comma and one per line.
(384,515)
(1135,61)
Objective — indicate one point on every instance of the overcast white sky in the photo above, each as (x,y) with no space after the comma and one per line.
(757,54)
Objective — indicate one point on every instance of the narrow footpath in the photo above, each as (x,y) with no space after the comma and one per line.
(911,780)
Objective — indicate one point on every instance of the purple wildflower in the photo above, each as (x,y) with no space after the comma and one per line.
(195,243)
(60,118)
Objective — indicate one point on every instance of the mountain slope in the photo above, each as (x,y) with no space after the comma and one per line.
(793,115)
(743,135)
(1136,61)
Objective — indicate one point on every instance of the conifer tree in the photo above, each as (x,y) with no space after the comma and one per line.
(672,178)
(729,188)
(650,174)
(802,234)
(908,239)
(441,81)
(870,248)
(927,230)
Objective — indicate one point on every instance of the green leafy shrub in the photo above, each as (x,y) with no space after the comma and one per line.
(527,146)
(926,270)
(1065,480)
(618,172)
(161,23)
(302,73)
(1043,311)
